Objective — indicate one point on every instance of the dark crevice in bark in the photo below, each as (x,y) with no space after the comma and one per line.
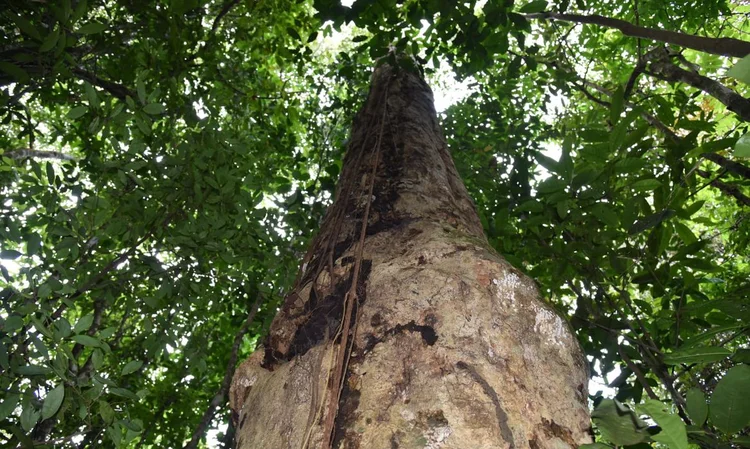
(323,317)
(502,417)
(428,334)
(348,405)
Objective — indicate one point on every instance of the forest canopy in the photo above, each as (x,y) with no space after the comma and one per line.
(164,165)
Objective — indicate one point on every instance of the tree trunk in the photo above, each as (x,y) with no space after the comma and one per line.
(405,329)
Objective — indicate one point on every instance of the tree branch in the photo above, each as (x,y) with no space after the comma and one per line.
(723,46)
(221,395)
(224,11)
(28,153)
(734,167)
(118,90)
(662,68)
(729,189)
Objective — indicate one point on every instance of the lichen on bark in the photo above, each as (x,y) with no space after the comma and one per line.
(450,346)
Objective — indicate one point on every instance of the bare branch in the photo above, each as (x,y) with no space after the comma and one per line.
(28,153)
(729,189)
(734,167)
(224,11)
(663,68)
(723,46)
(118,90)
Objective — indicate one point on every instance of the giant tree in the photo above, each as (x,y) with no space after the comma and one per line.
(405,328)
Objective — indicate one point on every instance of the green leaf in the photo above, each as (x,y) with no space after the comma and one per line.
(33,244)
(50,170)
(686,235)
(710,333)
(742,356)
(77,112)
(154,108)
(293,33)
(645,185)
(697,408)
(606,214)
(673,432)
(50,41)
(131,367)
(13,70)
(9,254)
(618,424)
(92,28)
(53,401)
(616,107)
(91,95)
(742,147)
(630,164)
(10,401)
(741,70)
(125,393)
(706,354)
(140,90)
(534,6)
(650,221)
(26,27)
(32,370)
(730,409)
(29,417)
(86,340)
(83,323)
(617,137)
(106,412)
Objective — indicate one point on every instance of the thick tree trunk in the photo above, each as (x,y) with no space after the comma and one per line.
(405,329)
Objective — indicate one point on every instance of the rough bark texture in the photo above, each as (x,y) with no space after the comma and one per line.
(451,347)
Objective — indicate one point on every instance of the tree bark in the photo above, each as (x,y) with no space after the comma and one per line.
(405,329)
(724,46)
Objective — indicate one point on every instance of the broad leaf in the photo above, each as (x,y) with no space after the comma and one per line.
(697,408)
(53,401)
(673,432)
(618,424)
(705,354)
(730,409)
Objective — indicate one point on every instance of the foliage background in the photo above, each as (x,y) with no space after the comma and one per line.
(165,163)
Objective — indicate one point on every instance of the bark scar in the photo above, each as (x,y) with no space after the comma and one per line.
(502,417)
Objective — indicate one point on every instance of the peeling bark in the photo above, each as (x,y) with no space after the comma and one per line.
(450,346)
